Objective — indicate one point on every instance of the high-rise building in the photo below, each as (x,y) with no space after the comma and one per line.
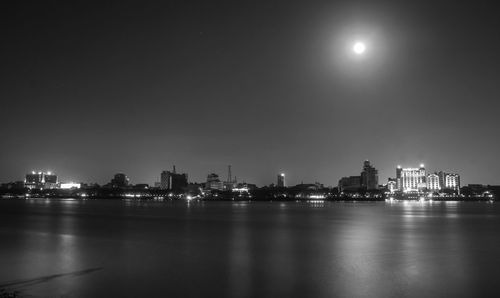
(369,176)
(411,179)
(449,182)
(433,182)
(281,180)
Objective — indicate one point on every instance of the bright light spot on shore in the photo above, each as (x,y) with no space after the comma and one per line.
(359,48)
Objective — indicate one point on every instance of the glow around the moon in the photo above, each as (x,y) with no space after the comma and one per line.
(359,48)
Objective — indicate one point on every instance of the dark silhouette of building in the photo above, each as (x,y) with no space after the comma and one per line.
(368,180)
(120,180)
(231,182)
(351,183)
(173,181)
(369,177)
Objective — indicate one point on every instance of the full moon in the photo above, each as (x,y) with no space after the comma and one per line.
(359,48)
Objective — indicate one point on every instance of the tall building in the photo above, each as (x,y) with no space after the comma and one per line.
(120,180)
(433,183)
(411,179)
(173,180)
(164,180)
(369,176)
(281,180)
(449,182)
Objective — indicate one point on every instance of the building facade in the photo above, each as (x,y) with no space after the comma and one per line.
(411,179)
(433,183)
(449,182)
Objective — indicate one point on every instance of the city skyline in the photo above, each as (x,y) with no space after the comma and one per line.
(164,180)
(267,87)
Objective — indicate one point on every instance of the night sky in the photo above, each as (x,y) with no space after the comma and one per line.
(92,89)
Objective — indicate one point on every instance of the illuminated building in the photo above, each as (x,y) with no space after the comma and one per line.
(34,180)
(50,180)
(70,185)
(392,185)
(433,183)
(369,177)
(449,182)
(281,180)
(120,180)
(173,180)
(40,180)
(411,179)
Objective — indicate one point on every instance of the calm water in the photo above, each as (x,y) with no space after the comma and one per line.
(52,248)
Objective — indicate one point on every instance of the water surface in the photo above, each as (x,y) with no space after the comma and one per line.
(103,248)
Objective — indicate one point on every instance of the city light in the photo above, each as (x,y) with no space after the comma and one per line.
(70,185)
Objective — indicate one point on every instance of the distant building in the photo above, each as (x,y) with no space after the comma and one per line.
(164,180)
(281,180)
(449,182)
(433,184)
(392,185)
(120,180)
(367,180)
(40,180)
(173,180)
(369,177)
(411,179)
(231,182)
(70,185)
(213,182)
(351,183)
(50,180)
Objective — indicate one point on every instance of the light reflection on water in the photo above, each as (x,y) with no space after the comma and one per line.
(250,249)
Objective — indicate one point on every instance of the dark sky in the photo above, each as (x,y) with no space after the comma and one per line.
(91,89)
